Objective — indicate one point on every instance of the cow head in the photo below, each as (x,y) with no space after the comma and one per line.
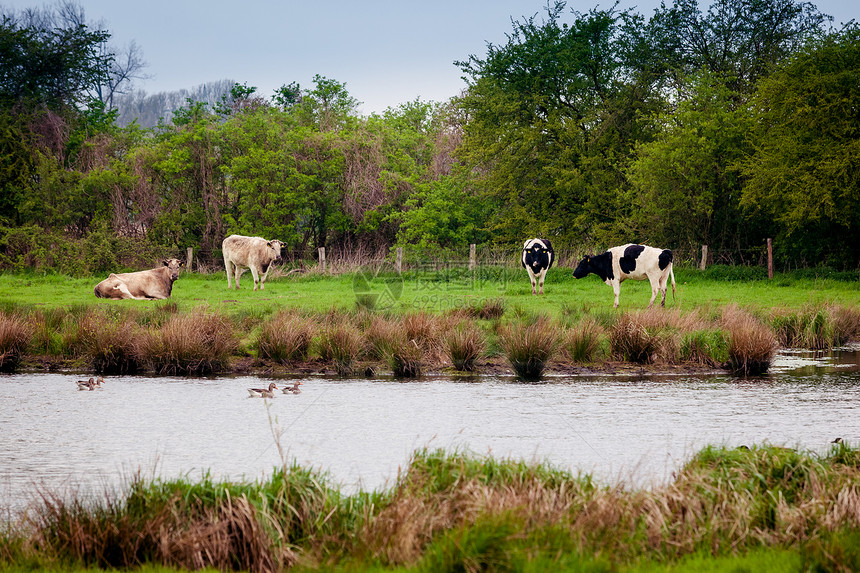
(583,268)
(275,245)
(173,265)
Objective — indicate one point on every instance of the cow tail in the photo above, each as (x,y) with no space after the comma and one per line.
(96,290)
(672,275)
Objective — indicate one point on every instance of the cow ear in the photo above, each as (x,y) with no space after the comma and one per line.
(181,263)
(165,263)
(269,244)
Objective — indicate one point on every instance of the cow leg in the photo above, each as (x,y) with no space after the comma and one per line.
(237,270)
(541,276)
(532,279)
(654,288)
(663,278)
(228,265)
(616,288)
(255,275)
(263,279)
(125,293)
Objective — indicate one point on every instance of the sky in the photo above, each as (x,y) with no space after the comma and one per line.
(387,52)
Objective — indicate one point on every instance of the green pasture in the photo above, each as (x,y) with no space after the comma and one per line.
(439,290)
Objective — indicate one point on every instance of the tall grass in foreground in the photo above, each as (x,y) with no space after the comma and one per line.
(451,511)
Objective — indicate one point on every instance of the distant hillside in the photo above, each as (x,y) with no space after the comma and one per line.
(147,109)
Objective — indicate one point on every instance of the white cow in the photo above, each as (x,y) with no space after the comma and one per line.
(253,253)
(638,262)
(154,284)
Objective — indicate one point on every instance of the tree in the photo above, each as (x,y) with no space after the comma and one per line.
(683,183)
(738,39)
(804,172)
(552,115)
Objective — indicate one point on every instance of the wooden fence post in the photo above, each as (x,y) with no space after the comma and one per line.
(189,258)
(322,258)
(770,258)
(398,262)
(704,262)
(473,262)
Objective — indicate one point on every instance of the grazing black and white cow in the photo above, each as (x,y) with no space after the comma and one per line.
(538,257)
(638,262)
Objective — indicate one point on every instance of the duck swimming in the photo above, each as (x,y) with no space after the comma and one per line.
(86,384)
(263,392)
(294,389)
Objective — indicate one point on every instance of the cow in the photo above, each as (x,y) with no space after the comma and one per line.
(631,261)
(255,253)
(538,257)
(154,284)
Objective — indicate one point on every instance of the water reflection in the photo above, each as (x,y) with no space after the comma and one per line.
(637,428)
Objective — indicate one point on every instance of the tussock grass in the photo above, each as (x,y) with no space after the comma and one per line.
(15,335)
(530,347)
(340,344)
(752,345)
(464,344)
(286,338)
(197,343)
(705,347)
(453,511)
(640,337)
(586,342)
(112,344)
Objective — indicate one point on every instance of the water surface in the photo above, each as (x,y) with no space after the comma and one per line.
(632,428)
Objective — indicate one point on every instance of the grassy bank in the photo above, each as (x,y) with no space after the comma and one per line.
(761,508)
(420,322)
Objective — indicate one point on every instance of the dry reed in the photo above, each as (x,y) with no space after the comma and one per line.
(752,345)
(286,338)
(464,344)
(530,347)
(341,345)
(197,343)
(15,336)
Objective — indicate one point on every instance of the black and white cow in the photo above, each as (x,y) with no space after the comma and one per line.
(638,262)
(538,257)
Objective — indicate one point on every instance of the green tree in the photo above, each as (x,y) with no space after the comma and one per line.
(683,183)
(804,172)
(553,114)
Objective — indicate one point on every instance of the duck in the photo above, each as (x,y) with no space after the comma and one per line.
(837,441)
(87,384)
(294,389)
(263,392)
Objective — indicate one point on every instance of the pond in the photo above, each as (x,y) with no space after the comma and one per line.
(637,429)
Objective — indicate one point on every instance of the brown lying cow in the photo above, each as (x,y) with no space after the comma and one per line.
(153,284)
(255,253)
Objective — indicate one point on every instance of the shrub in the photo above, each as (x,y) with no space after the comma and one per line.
(196,343)
(584,342)
(15,335)
(285,338)
(530,347)
(464,344)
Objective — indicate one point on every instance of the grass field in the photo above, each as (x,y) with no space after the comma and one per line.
(439,291)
